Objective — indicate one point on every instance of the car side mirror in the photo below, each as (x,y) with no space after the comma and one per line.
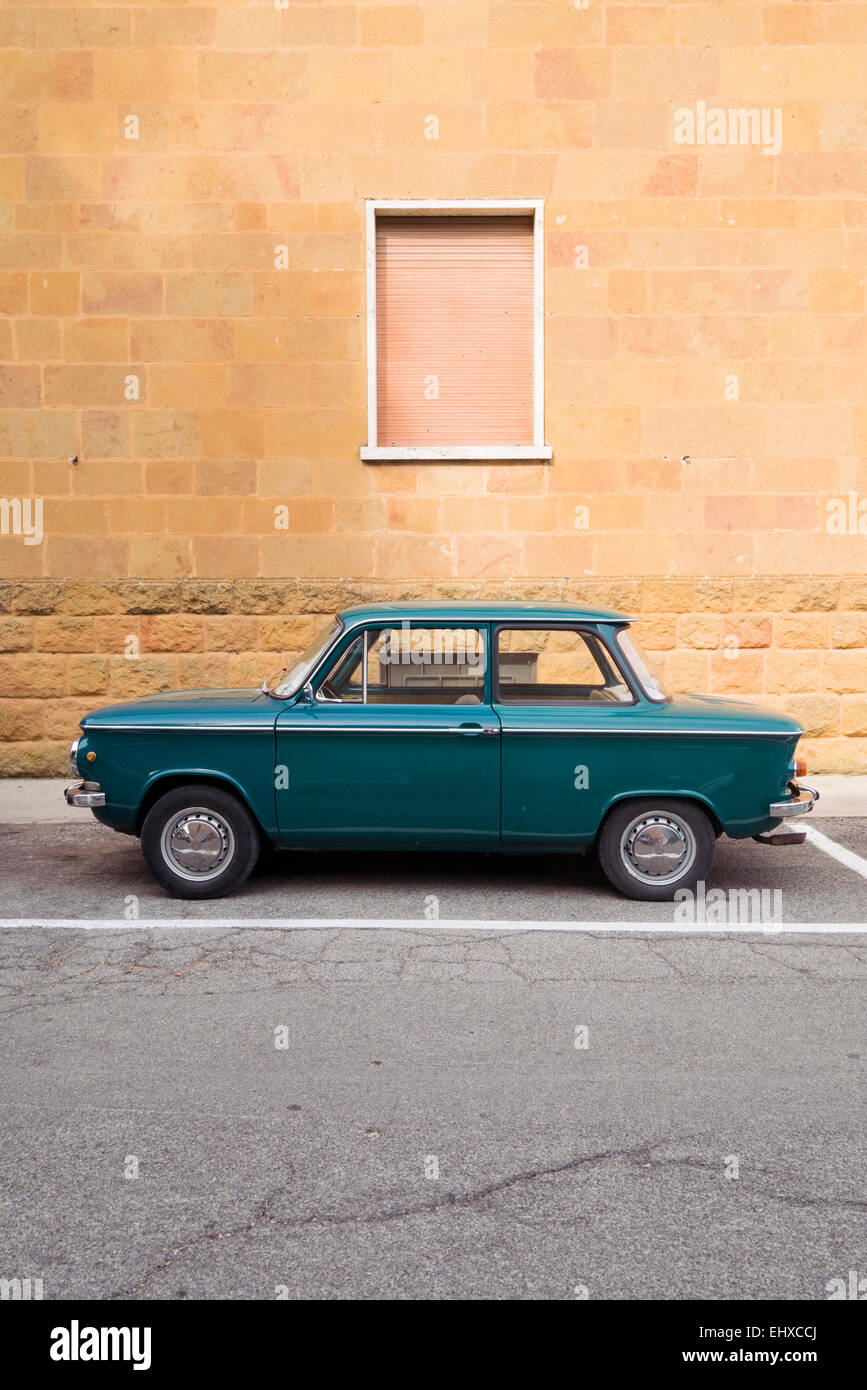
(307,692)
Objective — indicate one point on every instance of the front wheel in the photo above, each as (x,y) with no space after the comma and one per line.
(649,849)
(199,842)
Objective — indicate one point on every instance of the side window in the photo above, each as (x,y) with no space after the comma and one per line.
(414,665)
(557,666)
(410,665)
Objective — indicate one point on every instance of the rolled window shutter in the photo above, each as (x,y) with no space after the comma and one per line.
(454,318)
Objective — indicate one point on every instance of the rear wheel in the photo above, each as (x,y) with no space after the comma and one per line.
(199,842)
(649,849)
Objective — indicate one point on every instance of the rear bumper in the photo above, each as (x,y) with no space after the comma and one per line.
(85,794)
(800,804)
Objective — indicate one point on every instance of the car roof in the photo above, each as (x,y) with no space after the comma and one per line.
(494,610)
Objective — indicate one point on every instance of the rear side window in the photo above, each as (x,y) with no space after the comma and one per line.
(557,666)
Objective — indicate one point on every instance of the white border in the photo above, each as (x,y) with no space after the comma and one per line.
(372,452)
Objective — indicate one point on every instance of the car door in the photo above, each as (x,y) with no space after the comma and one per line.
(562,699)
(398,746)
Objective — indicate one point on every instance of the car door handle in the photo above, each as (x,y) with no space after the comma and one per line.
(472,729)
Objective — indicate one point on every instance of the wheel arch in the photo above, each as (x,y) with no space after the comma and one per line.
(688,798)
(172,780)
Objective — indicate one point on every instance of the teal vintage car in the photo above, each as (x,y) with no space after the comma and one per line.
(483,726)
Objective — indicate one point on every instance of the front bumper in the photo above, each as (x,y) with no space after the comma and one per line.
(85,794)
(800,804)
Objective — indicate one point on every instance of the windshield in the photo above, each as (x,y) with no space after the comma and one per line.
(290,680)
(641,667)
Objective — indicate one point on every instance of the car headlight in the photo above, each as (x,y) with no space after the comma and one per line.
(73,757)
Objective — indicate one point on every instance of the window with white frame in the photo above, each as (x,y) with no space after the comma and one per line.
(455,331)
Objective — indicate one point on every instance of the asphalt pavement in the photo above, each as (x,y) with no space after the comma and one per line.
(427,1111)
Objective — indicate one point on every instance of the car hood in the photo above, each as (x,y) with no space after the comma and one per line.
(188,709)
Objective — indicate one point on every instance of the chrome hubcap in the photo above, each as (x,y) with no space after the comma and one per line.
(197,844)
(657,848)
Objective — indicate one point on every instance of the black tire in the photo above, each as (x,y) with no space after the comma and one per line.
(200,841)
(633,865)
(267,861)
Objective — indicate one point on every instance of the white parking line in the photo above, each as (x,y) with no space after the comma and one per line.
(843,856)
(433,925)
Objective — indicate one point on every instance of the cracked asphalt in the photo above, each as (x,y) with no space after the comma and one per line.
(405,1114)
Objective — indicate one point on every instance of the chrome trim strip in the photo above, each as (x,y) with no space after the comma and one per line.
(432,729)
(365,643)
(354,728)
(654,729)
(181,728)
(269,728)
(384,729)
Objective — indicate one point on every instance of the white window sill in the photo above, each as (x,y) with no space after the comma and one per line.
(481,453)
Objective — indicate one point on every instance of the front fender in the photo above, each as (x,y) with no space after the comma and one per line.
(132,766)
